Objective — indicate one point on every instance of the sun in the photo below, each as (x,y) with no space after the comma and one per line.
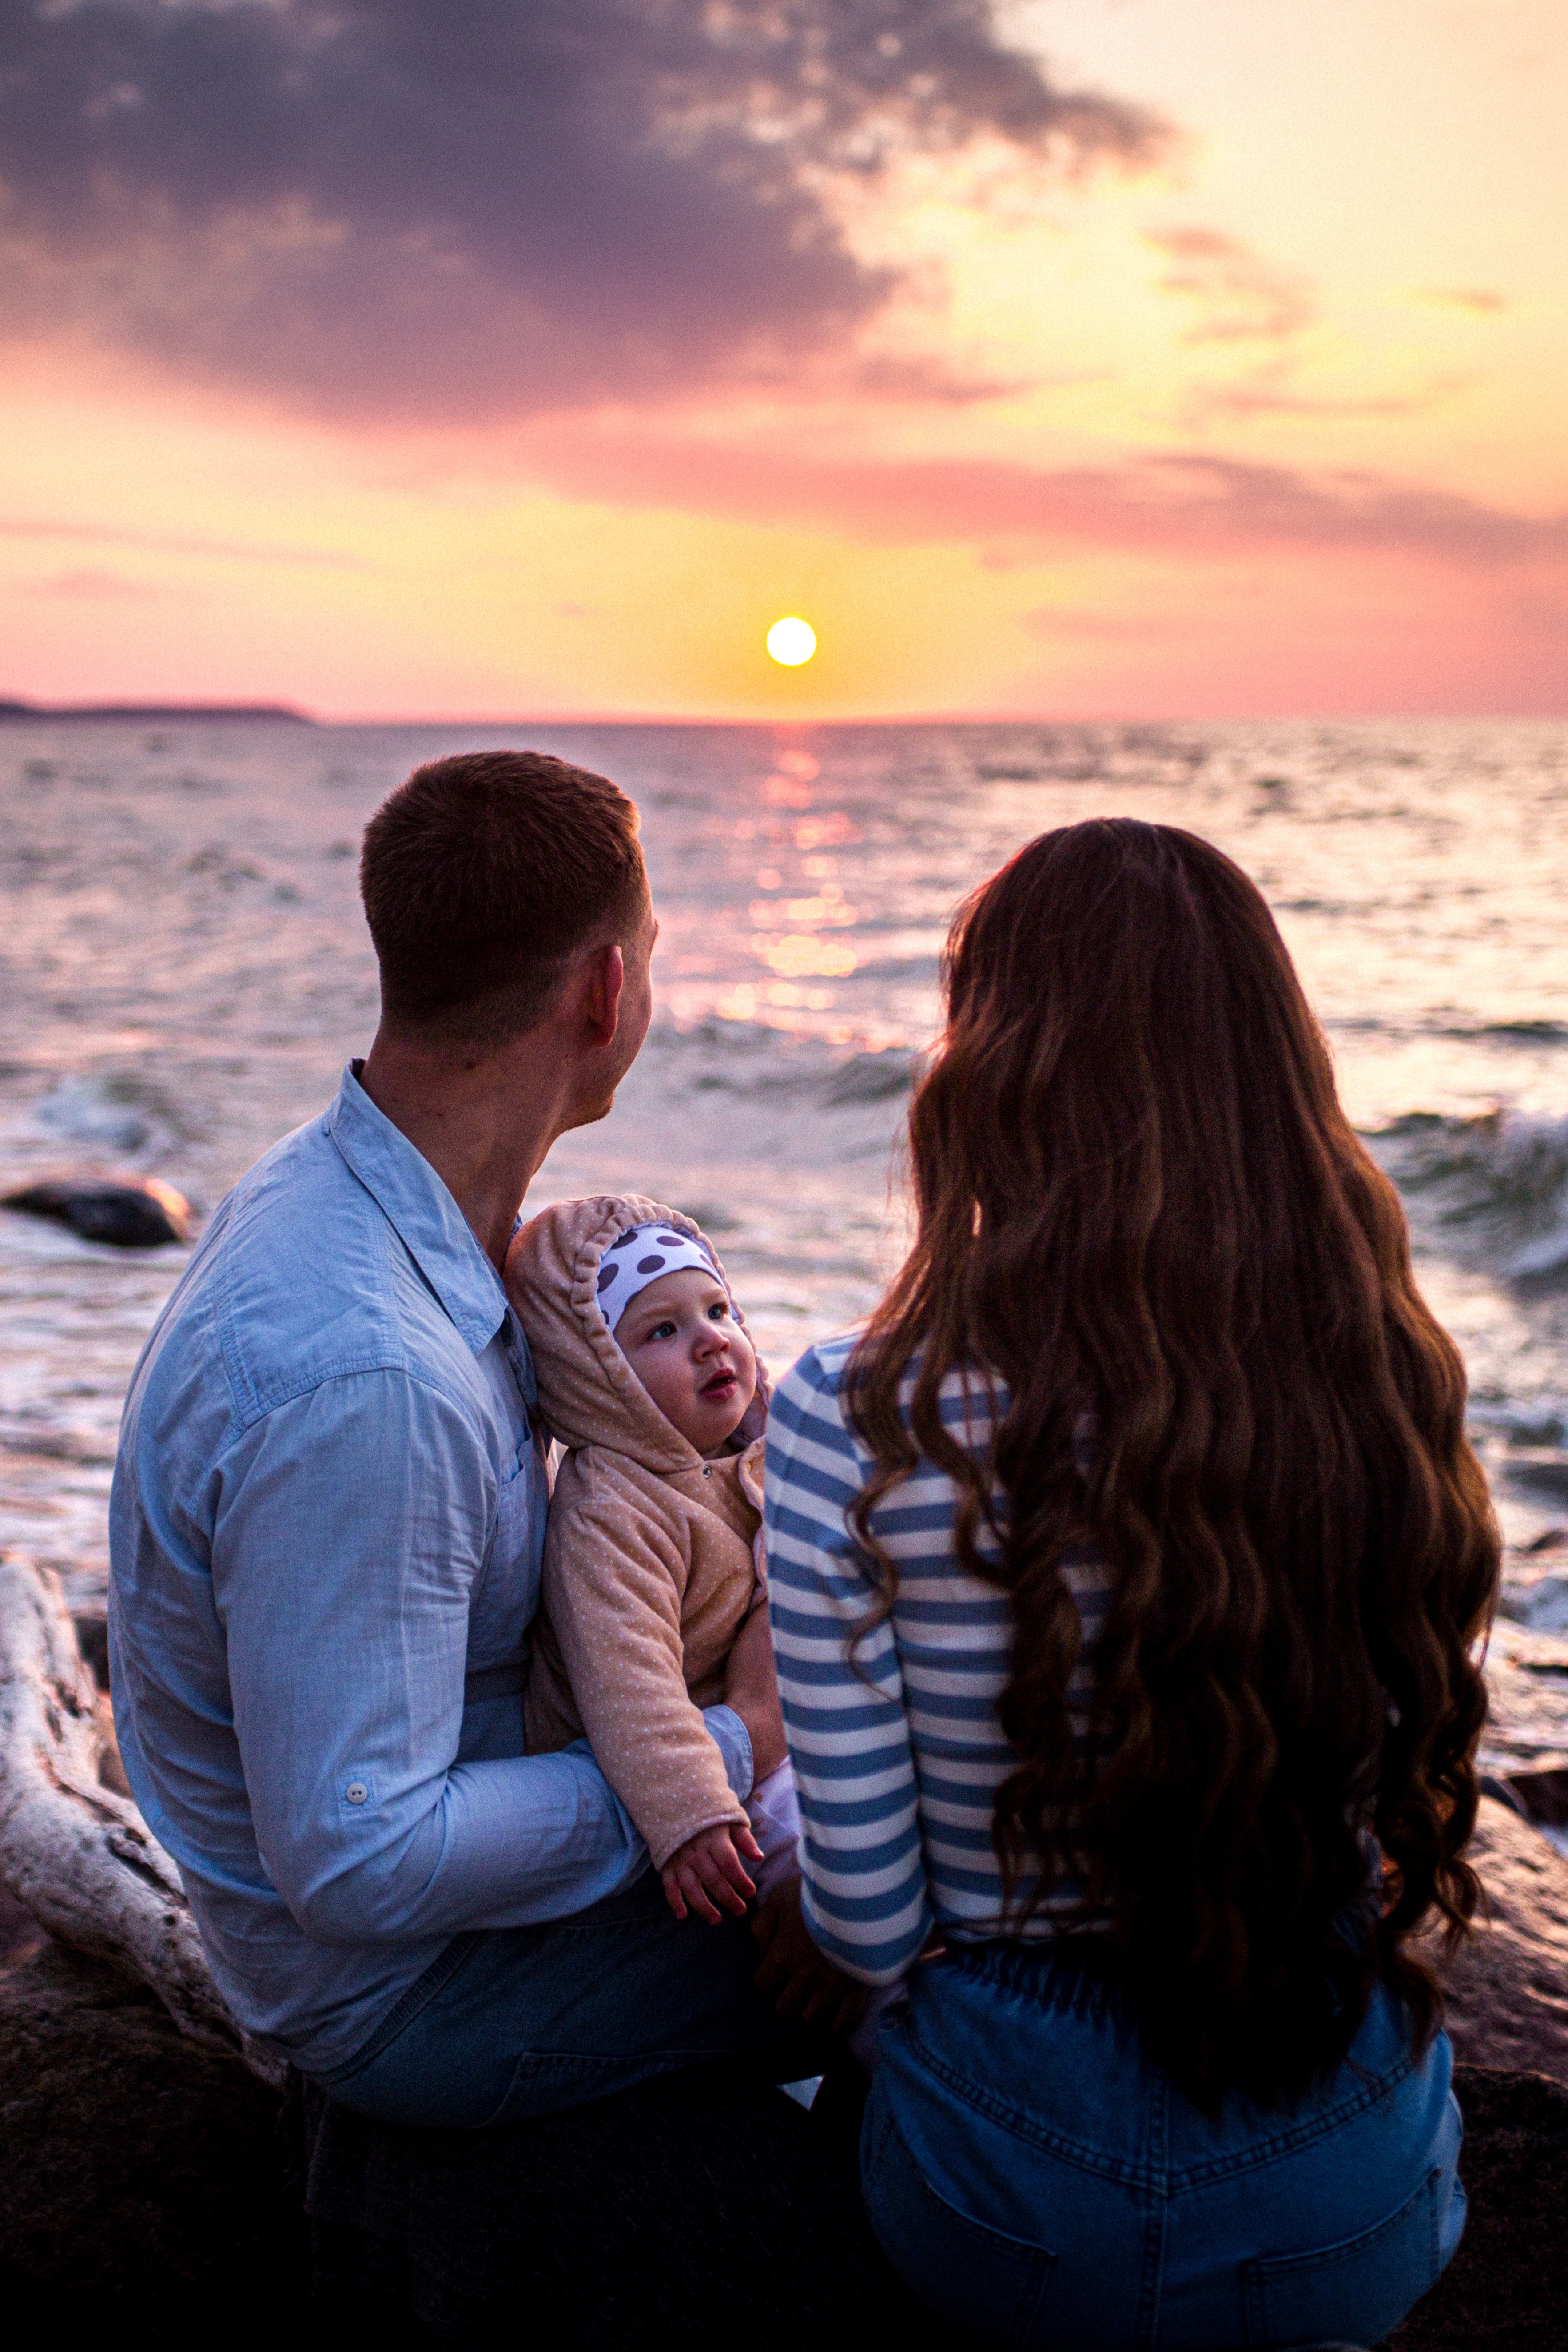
(792,642)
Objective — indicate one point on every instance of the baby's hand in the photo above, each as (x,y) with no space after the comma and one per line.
(710,1865)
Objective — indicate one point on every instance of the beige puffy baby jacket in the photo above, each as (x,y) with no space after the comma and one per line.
(649,1572)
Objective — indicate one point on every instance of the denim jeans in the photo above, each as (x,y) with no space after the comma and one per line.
(517,2022)
(1038,2182)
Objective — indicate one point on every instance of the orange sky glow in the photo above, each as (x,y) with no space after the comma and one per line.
(1242,395)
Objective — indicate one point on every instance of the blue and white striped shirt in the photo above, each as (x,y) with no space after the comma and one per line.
(898,1754)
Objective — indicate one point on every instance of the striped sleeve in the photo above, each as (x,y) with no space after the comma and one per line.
(865,1896)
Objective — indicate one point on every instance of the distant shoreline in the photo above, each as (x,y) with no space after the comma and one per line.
(162,712)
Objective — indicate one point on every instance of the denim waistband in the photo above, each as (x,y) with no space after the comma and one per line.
(1080,1972)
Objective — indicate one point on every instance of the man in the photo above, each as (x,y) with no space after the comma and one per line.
(328,1513)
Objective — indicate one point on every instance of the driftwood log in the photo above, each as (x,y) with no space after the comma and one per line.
(74,1851)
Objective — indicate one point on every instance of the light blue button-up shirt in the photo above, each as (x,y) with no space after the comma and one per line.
(327,1531)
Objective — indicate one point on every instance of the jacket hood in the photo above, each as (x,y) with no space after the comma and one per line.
(588,1393)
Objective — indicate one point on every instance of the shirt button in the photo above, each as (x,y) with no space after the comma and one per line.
(357,1792)
(707,1470)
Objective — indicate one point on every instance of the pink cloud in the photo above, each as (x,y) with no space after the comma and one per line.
(1179,503)
(94,534)
(1238,296)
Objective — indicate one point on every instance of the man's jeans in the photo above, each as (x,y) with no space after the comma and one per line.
(1034,2178)
(523,2021)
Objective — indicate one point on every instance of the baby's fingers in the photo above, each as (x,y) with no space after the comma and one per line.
(724,1880)
(746,1843)
(672,1894)
(734,1870)
(690,1875)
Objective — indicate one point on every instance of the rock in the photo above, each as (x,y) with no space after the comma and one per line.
(142,2181)
(142,2176)
(1507,1985)
(134,2164)
(1527,1699)
(141,1214)
(1506,2290)
(20,1934)
(1538,1792)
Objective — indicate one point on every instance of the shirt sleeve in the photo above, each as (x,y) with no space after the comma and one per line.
(865,1896)
(350,1532)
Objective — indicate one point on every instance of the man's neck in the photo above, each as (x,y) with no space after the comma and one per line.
(485,1130)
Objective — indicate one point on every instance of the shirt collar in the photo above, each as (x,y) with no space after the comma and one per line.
(420,1210)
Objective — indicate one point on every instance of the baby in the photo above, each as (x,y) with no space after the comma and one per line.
(652,1558)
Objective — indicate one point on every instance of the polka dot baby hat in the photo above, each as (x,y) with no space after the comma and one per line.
(639,1257)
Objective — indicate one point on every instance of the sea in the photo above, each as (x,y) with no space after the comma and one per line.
(186,972)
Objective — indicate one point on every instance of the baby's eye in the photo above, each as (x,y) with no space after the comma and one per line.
(662,1332)
(719,1313)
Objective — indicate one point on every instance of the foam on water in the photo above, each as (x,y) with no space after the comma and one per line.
(187,971)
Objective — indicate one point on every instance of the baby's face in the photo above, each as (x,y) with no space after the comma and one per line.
(686,1347)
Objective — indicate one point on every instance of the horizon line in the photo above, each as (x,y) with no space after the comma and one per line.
(14,711)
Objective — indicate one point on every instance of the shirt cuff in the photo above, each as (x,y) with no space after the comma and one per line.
(733,1742)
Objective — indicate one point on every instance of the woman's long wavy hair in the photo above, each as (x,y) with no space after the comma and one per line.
(1141,1207)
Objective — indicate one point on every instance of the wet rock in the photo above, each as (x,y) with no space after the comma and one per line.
(142,1214)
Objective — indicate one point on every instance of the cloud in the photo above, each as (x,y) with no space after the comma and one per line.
(227,551)
(91,587)
(1269,395)
(1480,299)
(1181,503)
(1240,297)
(450,208)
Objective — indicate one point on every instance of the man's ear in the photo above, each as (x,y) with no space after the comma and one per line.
(606,976)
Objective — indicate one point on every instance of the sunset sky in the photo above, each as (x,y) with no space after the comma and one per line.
(1082,358)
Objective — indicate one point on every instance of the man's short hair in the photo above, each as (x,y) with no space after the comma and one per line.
(481,876)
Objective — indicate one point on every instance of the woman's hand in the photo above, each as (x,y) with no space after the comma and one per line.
(804,1981)
(708,1869)
(751,1688)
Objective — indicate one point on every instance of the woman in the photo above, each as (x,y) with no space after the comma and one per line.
(1125,1577)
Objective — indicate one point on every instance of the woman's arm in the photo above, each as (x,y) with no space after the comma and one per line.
(866,1900)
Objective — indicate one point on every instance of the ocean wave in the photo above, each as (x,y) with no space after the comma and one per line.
(1490,1189)
(1509,1033)
(870,1077)
(1481,1033)
(123,1111)
(753,1058)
